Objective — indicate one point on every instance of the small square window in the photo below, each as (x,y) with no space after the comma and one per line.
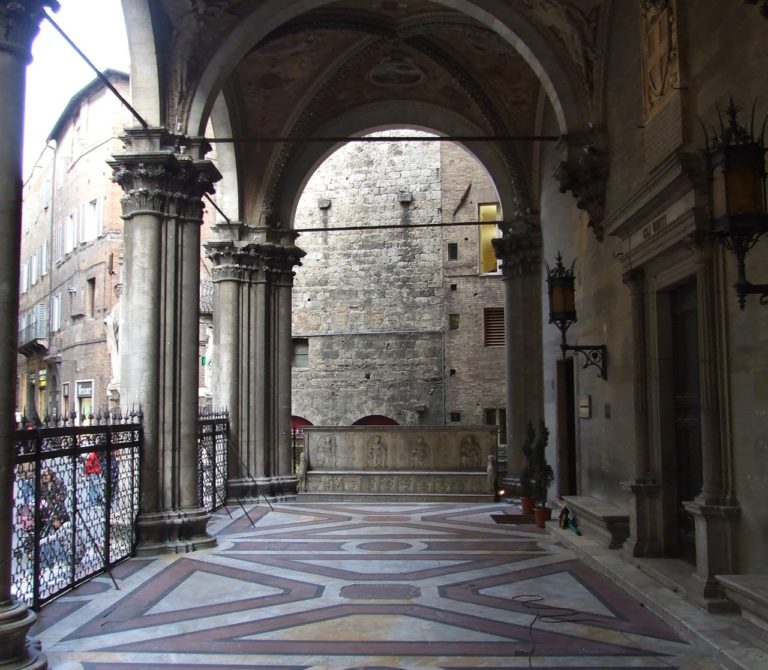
(455,417)
(453,321)
(300,352)
(454,287)
(453,251)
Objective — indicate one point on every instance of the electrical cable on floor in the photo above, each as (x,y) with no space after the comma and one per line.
(563,615)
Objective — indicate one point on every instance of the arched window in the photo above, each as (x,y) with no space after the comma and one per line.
(375,420)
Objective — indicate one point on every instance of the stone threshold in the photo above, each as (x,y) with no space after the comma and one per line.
(730,639)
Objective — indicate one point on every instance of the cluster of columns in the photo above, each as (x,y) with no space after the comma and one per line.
(253,279)
(19,24)
(164,184)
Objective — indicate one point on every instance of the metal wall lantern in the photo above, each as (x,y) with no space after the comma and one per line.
(736,162)
(562,312)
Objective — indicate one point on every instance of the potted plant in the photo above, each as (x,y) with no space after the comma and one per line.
(527,500)
(542,474)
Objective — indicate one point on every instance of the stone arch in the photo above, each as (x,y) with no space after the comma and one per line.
(389,115)
(375,420)
(568,102)
(145,78)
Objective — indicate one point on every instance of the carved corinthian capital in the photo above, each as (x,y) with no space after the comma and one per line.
(519,251)
(584,172)
(20,22)
(247,262)
(164,183)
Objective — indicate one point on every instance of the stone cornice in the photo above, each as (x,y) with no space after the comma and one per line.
(20,22)
(680,173)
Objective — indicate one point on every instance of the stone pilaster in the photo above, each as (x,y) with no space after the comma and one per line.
(520,253)
(162,208)
(19,24)
(644,524)
(253,272)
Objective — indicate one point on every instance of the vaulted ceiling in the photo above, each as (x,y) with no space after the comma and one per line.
(297,73)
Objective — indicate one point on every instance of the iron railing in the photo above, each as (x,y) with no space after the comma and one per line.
(76,497)
(213,438)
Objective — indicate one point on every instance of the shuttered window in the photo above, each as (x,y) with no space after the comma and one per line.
(493,326)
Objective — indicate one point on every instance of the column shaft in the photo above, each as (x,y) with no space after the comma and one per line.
(19,23)
(162,207)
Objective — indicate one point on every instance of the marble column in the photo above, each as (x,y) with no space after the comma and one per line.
(715,520)
(520,253)
(19,24)
(644,521)
(253,270)
(162,208)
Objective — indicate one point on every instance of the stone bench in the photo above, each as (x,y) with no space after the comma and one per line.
(414,463)
(750,593)
(602,521)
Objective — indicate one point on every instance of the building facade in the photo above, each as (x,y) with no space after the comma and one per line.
(400,325)
(71,258)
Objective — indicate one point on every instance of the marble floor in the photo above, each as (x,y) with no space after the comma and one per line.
(353,586)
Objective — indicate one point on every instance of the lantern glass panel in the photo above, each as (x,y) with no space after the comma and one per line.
(562,299)
(719,196)
(745,188)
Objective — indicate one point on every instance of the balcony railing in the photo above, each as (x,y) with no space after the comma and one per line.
(76,497)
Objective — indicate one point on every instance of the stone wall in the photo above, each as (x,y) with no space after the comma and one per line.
(373,304)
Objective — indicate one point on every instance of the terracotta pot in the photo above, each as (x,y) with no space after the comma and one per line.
(542,514)
(527,503)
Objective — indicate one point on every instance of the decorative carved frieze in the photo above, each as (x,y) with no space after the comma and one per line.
(20,22)
(661,63)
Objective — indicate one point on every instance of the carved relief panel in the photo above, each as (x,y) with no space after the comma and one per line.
(660,58)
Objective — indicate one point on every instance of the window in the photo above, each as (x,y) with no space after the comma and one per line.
(493,327)
(23,277)
(69,234)
(33,274)
(453,251)
(455,417)
(497,416)
(90,220)
(453,321)
(91,283)
(58,241)
(44,259)
(300,352)
(488,233)
(55,312)
(41,321)
(84,391)
(65,399)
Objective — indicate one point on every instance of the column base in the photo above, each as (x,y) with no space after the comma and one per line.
(173,532)
(715,546)
(17,652)
(644,539)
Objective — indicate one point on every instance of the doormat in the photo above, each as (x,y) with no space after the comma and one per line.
(513,518)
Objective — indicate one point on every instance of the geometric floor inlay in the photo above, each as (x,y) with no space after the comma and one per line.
(351,586)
